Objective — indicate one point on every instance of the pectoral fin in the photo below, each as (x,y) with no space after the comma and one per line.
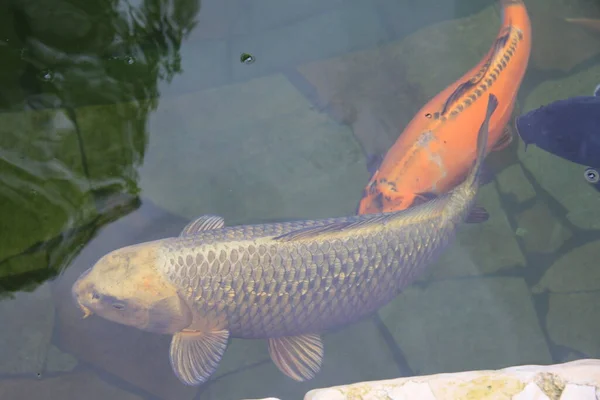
(299,357)
(422,198)
(203,223)
(504,140)
(196,355)
(477,215)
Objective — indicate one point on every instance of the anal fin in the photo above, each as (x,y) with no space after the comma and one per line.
(504,140)
(421,198)
(298,357)
(486,174)
(477,215)
(196,355)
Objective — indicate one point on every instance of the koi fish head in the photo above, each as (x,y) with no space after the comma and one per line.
(125,287)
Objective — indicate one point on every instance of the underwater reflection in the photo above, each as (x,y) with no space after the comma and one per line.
(67,166)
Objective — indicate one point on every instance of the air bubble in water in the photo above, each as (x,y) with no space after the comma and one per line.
(247,58)
(46,75)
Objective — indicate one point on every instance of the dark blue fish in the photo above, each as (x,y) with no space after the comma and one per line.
(569,129)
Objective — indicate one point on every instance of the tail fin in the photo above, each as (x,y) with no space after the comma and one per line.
(482,138)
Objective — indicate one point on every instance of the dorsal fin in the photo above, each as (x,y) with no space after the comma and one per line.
(203,223)
(465,86)
(457,94)
(313,232)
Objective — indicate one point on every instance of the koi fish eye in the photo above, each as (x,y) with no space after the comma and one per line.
(118,306)
(591,175)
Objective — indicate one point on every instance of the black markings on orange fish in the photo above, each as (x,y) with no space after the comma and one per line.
(464,87)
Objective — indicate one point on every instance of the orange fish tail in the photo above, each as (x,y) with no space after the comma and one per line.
(515,14)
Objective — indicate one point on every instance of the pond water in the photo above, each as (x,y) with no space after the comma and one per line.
(123,121)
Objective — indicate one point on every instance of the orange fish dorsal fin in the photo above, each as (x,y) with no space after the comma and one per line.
(457,94)
(464,87)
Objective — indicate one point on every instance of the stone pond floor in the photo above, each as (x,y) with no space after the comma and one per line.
(283,138)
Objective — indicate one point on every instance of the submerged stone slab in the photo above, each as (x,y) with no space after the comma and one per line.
(204,64)
(466,324)
(482,248)
(575,271)
(356,352)
(80,385)
(266,155)
(576,380)
(540,229)
(26,332)
(552,31)
(377,91)
(323,35)
(261,15)
(512,182)
(59,361)
(573,321)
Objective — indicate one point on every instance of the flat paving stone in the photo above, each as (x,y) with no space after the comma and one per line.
(79,385)
(27,331)
(205,63)
(265,156)
(354,353)
(575,271)
(512,182)
(467,324)
(331,33)
(480,249)
(573,321)
(553,32)
(540,229)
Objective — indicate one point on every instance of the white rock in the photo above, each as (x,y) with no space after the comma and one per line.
(573,380)
(531,392)
(325,394)
(578,392)
(412,390)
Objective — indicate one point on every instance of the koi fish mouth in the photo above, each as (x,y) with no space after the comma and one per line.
(86,311)
(76,293)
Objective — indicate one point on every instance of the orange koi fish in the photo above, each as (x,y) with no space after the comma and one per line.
(438,147)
